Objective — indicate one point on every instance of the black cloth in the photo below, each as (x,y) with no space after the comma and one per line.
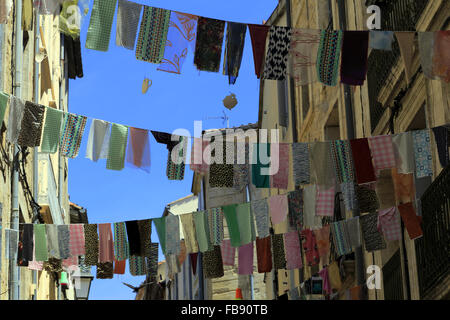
(164,138)
(441,136)
(73,56)
(27,241)
(134,238)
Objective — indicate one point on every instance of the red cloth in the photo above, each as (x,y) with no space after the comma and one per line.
(362,160)
(411,220)
(119,266)
(193,257)
(264,254)
(441,57)
(258,34)
(106,247)
(310,247)
(354,57)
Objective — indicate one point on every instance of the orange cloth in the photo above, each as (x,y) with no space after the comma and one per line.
(441,57)
(355,293)
(411,220)
(182,255)
(404,187)
(323,241)
(138,153)
(119,266)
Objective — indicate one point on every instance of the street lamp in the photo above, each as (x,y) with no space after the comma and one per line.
(83,286)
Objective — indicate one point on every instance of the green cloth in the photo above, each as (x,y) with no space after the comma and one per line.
(160,224)
(259,180)
(233,224)
(117,147)
(202,231)
(99,31)
(245,223)
(52,130)
(3,105)
(40,242)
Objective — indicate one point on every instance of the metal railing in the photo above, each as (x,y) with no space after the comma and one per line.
(433,249)
(396,15)
(392,278)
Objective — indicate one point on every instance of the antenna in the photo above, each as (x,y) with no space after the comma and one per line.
(225,119)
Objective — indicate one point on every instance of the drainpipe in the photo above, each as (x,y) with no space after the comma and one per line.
(14,269)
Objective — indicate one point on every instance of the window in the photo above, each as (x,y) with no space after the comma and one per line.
(332,131)
(305,101)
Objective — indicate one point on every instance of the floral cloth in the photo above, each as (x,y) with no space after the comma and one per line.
(422,153)
(208,48)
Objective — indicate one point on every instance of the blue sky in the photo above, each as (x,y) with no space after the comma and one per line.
(111,90)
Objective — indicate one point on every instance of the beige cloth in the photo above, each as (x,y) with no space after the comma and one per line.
(5,9)
(404,152)
(310,220)
(190,238)
(321,163)
(385,190)
(27,15)
(334,277)
(406,43)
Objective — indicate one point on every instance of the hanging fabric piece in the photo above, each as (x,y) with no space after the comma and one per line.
(91,244)
(279,260)
(52,130)
(355,46)
(406,43)
(72,133)
(5,8)
(160,224)
(303,55)
(348,191)
(279,208)
(97,134)
(325,201)
(334,276)
(310,220)
(293,252)
(72,48)
(16,111)
(310,247)
(320,163)
(280,178)
(381,40)
(389,224)
(137,266)
(121,247)
(172,265)
(182,254)
(105,270)
(441,57)
(40,242)
(152,261)
(27,243)
(326,282)
(134,238)
(341,238)
(202,231)
(212,263)
(128,16)
(52,240)
(181,34)
(328,56)
(221,175)
(245,259)
(12,241)
(234,50)
(441,136)
(177,159)
(258,35)
(275,66)
(382,152)
(70,19)
(343,161)
(20,259)
(295,204)
(208,46)
(4,99)
(246,223)
(117,147)
(404,187)
(138,153)
(31,127)
(301,163)
(411,220)
(153,35)
(172,234)
(261,151)
(215,221)
(145,236)
(404,152)
(106,248)
(77,241)
(99,30)
(70,262)
(385,189)
(323,242)
(119,266)
(367,199)
(426,51)
(353,231)
(228,253)
(373,239)
(194,259)
(260,209)
(362,160)
(422,153)
(264,254)
(232,223)
(190,237)
(199,161)
(63,241)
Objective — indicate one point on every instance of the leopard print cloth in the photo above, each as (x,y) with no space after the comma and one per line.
(91,244)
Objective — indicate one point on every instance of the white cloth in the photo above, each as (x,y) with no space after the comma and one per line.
(48,6)
(5,9)
(426,50)
(98,142)
(311,221)
(404,152)
(52,240)
(16,109)
(128,16)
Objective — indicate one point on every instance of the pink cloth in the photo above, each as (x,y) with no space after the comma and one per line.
(199,163)
(278,206)
(138,153)
(292,248)
(382,151)
(72,261)
(76,242)
(106,247)
(325,201)
(389,224)
(326,282)
(35,265)
(245,256)
(228,253)
(280,179)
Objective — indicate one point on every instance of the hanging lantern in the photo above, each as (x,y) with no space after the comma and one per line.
(230,101)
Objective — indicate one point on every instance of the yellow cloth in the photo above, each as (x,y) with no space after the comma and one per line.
(190,238)
(27,15)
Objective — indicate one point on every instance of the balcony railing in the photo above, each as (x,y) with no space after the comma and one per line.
(433,249)
(396,15)
(392,278)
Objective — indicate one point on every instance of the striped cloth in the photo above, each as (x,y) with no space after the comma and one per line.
(76,243)
(342,160)
(190,237)
(228,253)
(52,130)
(99,31)
(348,192)
(128,16)
(341,238)
(117,147)
(153,35)
(121,247)
(72,134)
(215,221)
(300,161)
(137,266)
(328,56)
